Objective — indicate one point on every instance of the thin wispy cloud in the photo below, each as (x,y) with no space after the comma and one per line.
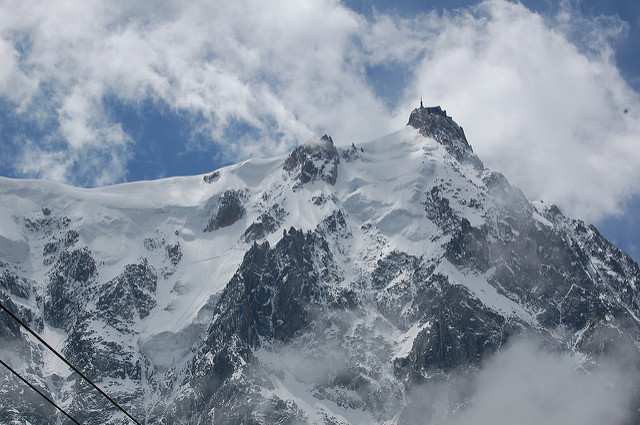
(540,100)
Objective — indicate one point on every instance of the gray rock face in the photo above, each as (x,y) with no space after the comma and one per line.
(15,285)
(435,123)
(10,328)
(227,212)
(458,330)
(315,160)
(68,282)
(129,294)
(271,298)
(210,178)
(268,222)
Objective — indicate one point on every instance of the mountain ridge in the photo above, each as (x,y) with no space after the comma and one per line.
(213,297)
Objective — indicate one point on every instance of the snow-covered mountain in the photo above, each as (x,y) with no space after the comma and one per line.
(322,286)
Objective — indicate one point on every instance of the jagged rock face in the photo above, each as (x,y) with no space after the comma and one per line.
(456,329)
(268,222)
(68,281)
(19,403)
(15,285)
(129,293)
(10,328)
(435,123)
(403,262)
(548,271)
(460,331)
(210,178)
(315,160)
(268,299)
(97,317)
(228,211)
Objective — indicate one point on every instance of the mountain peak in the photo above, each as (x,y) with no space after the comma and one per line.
(433,122)
(423,118)
(317,159)
(327,139)
(332,285)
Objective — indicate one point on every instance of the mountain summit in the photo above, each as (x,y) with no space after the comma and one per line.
(434,123)
(329,285)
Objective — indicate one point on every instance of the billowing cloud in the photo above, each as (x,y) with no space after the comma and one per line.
(258,78)
(281,70)
(560,122)
(525,384)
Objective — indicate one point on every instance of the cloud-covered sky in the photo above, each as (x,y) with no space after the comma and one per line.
(95,93)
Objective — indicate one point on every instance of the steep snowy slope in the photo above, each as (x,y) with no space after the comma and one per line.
(319,286)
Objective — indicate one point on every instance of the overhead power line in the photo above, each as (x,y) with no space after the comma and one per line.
(34,388)
(75,369)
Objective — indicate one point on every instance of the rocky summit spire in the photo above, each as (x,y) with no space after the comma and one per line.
(434,122)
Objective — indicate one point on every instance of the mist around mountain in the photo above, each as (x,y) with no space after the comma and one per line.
(394,282)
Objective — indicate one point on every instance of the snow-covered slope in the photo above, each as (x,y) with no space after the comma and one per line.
(319,286)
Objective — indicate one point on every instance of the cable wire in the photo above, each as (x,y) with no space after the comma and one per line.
(75,369)
(33,387)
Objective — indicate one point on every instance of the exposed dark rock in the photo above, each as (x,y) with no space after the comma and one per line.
(97,356)
(468,248)
(68,278)
(268,295)
(268,222)
(459,331)
(210,178)
(104,354)
(70,238)
(546,270)
(397,279)
(15,285)
(334,223)
(129,293)
(47,224)
(50,248)
(351,154)
(150,244)
(439,211)
(174,253)
(433,122)
(315,160)
(20,404)
(9,328)
(230,209)
(321,199)
(67,240)
(271,298)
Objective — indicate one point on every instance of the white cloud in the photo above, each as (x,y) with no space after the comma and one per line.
(104,163)
(283,68)
(535,107)
(524,384)
(7,63)
(548,114)
(48,165)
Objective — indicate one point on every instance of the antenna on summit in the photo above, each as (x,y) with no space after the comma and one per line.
(421,103)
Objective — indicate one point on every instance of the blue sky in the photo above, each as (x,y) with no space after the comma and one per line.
(96,93)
